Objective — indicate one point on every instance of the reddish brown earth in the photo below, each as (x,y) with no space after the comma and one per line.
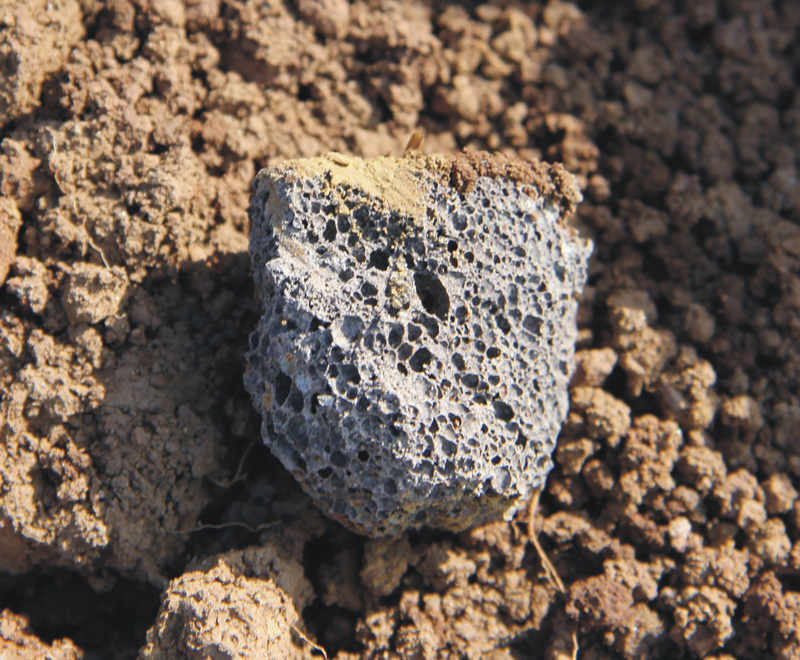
(129,133)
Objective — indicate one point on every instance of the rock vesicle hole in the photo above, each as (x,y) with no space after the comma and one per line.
(432,294)
(412,360)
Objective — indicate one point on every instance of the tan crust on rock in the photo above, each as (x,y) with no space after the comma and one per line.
(544,180)
(397,181)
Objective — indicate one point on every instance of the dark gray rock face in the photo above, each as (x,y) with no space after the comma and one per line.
(412,361)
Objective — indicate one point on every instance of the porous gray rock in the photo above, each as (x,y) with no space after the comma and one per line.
(412,361)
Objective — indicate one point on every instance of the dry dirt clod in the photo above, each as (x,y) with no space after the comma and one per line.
(18,642)
(10,222)
(239,605)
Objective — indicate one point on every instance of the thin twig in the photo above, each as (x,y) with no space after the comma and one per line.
(314,646)
(200,528)
(74,205)
(89,239)
(414,143)
(239,470)
(550,570)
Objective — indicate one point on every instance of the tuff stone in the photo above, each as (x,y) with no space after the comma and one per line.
(417,338)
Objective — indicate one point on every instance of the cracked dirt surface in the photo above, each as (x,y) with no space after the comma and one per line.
(129,133)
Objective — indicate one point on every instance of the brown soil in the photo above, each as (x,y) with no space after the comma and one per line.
(129,133)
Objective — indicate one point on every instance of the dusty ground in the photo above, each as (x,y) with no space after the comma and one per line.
(129,133)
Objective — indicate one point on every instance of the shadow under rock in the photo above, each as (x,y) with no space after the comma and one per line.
(61,603)
(174,422)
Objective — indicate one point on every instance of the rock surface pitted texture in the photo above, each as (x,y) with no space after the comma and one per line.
(412,361)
